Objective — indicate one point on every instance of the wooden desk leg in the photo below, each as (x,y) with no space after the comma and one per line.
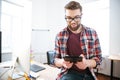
(111,76)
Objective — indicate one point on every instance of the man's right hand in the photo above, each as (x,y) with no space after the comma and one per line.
(67,64)
(62,63)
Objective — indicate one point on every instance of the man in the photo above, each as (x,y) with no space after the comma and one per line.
(77,40)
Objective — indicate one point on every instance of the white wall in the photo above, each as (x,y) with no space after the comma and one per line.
(48,19)
(114,26)
(114,33)
(39,14)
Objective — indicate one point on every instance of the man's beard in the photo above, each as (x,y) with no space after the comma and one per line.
(74,29)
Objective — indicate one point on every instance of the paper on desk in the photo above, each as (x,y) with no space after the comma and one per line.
(33,74)
(16,76)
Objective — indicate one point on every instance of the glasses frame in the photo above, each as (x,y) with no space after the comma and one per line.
(70,19)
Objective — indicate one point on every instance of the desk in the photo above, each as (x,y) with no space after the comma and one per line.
(50,73)
(113,58)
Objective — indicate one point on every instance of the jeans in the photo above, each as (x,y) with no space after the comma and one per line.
(74,75)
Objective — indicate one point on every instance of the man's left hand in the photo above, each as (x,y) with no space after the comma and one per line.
(82,65)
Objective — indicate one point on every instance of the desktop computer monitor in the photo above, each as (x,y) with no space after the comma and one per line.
(21,37)
(21,49)
(23,60)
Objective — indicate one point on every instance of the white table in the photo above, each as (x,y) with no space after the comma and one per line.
(113,57)
(49,73)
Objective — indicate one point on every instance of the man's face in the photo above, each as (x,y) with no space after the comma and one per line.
(73,18)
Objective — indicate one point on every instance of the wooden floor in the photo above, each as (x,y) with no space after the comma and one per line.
(104,77)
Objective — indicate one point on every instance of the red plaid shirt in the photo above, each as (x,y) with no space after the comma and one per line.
(89,43)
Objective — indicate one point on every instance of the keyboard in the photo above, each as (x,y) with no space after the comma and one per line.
(36,68)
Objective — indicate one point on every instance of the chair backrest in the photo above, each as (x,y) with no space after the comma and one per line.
(50,57)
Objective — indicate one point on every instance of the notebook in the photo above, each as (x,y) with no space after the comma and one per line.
(36,68)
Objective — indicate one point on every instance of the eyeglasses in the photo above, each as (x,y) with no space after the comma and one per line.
(76,18)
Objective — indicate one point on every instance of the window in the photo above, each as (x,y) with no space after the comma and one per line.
(10,16)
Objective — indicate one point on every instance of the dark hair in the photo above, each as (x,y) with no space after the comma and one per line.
(72,5)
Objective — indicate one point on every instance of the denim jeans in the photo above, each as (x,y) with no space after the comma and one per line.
(74,75)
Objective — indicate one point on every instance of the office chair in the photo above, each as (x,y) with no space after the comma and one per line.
(50,57)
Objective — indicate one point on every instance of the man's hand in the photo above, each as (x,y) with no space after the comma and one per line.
(86,63)
(62,63)
(67,64)
(82,65)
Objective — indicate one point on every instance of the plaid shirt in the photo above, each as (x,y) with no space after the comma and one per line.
(89,43)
